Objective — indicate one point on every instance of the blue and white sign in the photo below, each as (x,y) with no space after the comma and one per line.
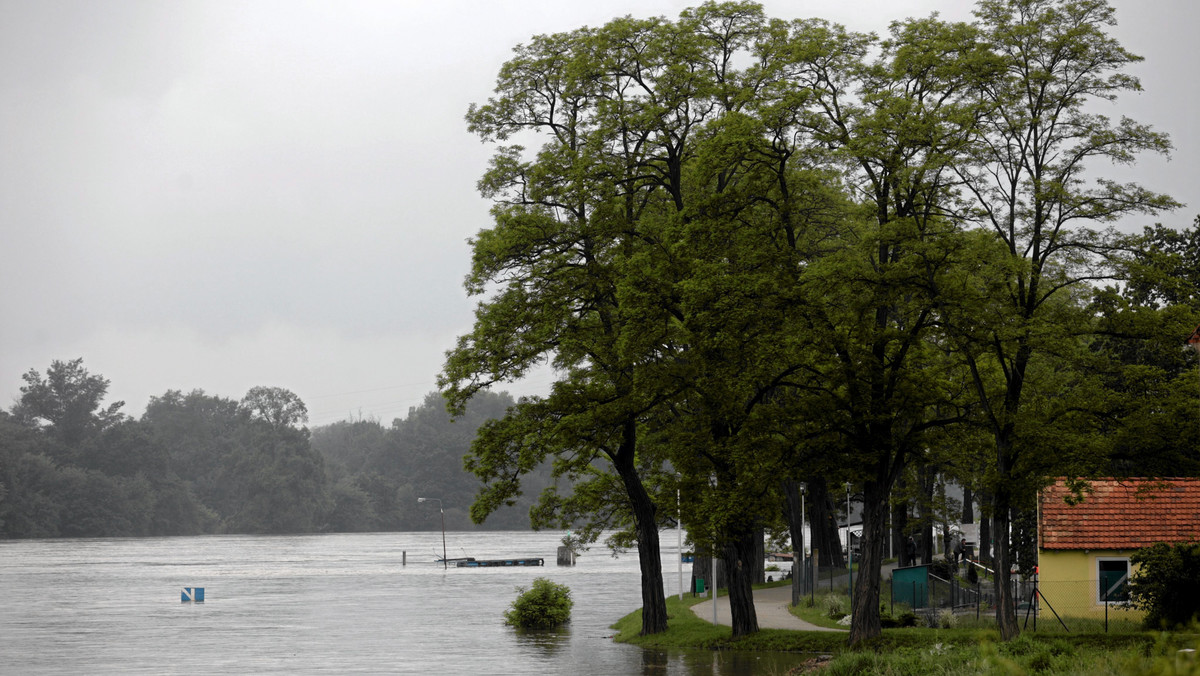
(192,594)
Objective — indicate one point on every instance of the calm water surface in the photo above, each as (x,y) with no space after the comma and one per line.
(338,603)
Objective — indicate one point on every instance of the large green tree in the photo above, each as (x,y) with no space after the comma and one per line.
(611,106)
(758,205)
(650,250)
(1028,182)
(896,124)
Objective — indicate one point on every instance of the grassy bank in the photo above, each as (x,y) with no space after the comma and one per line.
(934,651)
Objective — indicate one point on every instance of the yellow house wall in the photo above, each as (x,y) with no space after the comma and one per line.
(1065,566)
(1069,581)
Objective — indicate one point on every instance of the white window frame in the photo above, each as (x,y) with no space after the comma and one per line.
(1128,572)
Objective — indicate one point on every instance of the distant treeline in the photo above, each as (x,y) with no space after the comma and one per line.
(197,463)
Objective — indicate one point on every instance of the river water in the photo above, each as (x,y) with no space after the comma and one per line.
(313,604)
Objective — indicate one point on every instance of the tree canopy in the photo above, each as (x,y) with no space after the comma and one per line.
(757,250)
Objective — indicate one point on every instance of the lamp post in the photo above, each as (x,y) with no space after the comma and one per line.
(712,481)
(798,554)
(803,537)
(445,563)
(679,531)
(849,547)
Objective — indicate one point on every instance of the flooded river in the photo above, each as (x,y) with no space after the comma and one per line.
(336,603)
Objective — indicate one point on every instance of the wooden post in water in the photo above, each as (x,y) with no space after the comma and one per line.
(566,557)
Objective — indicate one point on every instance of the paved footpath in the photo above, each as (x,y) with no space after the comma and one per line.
(771,607)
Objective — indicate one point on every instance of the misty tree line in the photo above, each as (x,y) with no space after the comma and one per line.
(194,463)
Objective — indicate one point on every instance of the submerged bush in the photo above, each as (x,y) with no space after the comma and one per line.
(545,605)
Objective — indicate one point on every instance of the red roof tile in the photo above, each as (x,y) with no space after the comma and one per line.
(1120,514)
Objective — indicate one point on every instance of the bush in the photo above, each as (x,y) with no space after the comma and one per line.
(941,619)
(837,606)
(1167,584)
(545,605)
(946,619)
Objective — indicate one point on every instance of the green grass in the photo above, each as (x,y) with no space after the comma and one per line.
(685,630)
(971,650)
(1140,655)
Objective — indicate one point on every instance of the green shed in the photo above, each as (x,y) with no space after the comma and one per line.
(911,585)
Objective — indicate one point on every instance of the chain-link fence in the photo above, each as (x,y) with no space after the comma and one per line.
(812,580)
(1083,606)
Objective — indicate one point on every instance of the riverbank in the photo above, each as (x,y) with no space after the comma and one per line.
(919,651)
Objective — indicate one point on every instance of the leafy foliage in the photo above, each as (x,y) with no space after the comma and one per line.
(67,399)
(545,605)
(1166,584)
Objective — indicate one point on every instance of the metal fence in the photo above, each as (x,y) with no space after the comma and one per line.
(810,579)
(1082,606)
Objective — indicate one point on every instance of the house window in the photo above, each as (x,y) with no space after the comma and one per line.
(1113,577)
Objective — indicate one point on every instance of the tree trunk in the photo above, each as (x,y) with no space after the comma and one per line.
(824,526)
(943,521)
(794,515)
(740,552)
(899,537)
(1006,612)
(900,527)
(654,603)
(928,479)
(702,570)
(968,512)
(864,623)
(1023,544)
(760,556)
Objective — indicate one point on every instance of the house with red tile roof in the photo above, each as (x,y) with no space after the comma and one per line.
(1086,536)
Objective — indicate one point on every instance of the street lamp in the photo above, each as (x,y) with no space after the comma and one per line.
(712,481)
(679,531)
(849,545)
(798,554)
(804,541)
(445,563)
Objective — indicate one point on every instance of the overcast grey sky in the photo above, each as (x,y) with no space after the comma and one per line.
(218,194)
